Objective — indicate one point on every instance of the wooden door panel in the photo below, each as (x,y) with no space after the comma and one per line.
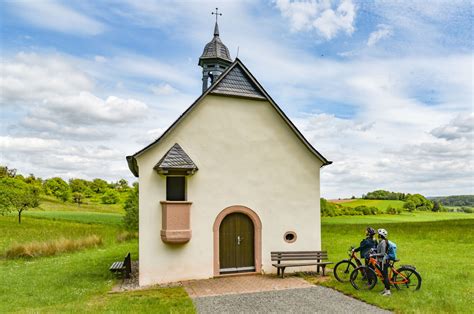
(236,243)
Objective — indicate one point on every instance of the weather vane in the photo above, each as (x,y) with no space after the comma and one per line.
(216,13)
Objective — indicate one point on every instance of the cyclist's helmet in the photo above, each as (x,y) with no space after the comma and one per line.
(383,232)
(370,231)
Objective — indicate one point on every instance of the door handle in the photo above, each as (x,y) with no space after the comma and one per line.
(239,239)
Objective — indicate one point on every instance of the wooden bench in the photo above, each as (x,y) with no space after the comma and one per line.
(124,268)
(304,258)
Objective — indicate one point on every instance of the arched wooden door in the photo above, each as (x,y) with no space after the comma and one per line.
(236,244)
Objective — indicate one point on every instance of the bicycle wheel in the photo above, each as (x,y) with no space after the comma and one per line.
(363,278)
(406,278)
(343,270)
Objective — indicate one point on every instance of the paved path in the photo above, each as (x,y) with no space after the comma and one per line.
(315,299)
(241,284)
(270,294)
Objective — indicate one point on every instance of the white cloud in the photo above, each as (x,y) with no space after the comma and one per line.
(56,16)
(26,144)
(383,31)
(460,127)
(33,77)
(327,18)
(163,89)
(86,108)
(59,94)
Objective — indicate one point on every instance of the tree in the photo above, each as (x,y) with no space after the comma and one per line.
(122,186)
(436,206)
(421,202)
(17,195)
(409,205)
(110,197)
(130,219)
(77,197)
(99,186)
(58,188)
(5,172)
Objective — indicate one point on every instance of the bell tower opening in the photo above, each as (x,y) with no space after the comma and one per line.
(215,58)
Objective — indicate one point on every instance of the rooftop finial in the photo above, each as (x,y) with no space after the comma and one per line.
(216,27)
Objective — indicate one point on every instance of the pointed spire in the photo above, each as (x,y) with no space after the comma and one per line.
(216,30)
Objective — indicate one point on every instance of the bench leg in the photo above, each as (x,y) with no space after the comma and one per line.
(278,271)
(283,272)
(324,270)
(317,269)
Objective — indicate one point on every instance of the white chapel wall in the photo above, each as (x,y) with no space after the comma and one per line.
(246,155)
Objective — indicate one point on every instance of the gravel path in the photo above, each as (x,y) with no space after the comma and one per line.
(315,299)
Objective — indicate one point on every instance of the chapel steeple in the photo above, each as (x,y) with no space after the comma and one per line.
(215,58)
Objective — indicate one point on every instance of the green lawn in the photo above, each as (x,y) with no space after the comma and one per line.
(77,216)
(441,250)
(51,203)
(439,244)
(32,229)
(380,204)
(78,281)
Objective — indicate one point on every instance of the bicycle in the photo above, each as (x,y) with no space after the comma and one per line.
(365,277)
(344,268)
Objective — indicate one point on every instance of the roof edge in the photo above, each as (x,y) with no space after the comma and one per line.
(284,116)
(131,160)
(132,165)
(138,153)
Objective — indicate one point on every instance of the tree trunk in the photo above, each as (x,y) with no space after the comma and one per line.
(19,216)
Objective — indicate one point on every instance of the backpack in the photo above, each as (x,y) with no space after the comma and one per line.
(392,251)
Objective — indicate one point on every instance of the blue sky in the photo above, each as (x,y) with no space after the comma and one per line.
(384,88)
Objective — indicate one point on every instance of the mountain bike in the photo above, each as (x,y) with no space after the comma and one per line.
(404,278)
(344,268)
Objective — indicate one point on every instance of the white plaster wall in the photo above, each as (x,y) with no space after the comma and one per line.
(247,155)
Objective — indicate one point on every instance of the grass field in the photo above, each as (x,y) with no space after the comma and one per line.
(439,244)
(78,281)
(52,203)
(76,216)
(441,250)
(381,204)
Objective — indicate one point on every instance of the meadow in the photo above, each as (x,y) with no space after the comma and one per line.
(437,243)
(77,281)
(441,251)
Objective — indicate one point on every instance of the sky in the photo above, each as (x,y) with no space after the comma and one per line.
(384,89)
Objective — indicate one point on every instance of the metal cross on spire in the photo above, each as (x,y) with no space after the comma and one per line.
(216,13)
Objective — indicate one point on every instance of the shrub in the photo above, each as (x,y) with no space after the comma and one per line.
(374,210)
(409,205)
(58,188)
(391,210)
(126,236)
(468,210)
(48,248)
(110,197)
(130,219)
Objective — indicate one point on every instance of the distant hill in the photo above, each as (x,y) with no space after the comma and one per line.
(454,200)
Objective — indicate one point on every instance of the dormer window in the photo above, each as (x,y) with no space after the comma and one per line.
(176,167)
(176,188)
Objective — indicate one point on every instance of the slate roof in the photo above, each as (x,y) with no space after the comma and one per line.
(216,48)
(176,159)
(237,83)
(132,162)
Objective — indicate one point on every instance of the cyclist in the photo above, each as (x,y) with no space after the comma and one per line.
(382,258)
(368,243)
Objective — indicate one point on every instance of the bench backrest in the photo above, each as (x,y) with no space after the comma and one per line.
(299,255)
(127,262)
